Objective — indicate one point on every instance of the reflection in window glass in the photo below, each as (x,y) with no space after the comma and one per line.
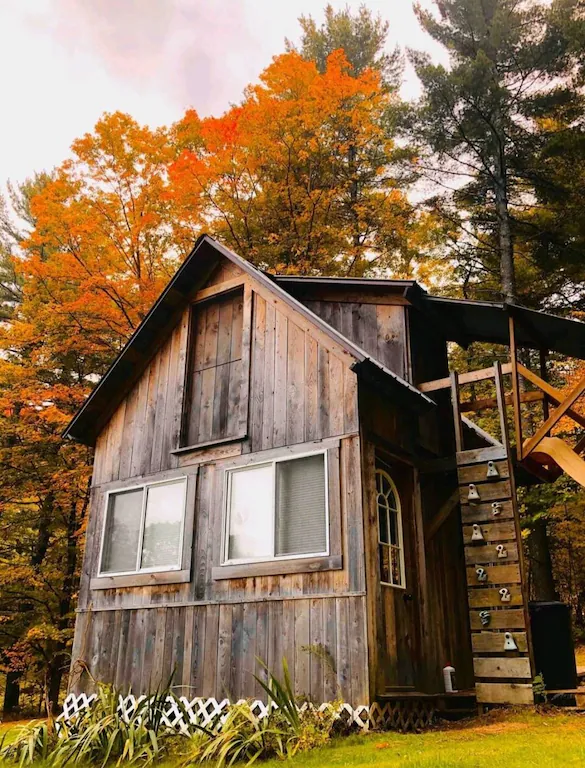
(278,509)
(162,525)
(122,532)
(154,528)
(250,514)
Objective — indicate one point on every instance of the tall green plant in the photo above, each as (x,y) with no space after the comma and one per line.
(99,735)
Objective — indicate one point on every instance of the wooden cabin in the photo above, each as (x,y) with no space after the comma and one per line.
(278,473)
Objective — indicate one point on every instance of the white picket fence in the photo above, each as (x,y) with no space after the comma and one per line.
(182,714)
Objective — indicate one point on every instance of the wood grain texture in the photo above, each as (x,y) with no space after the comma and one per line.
(504,693)
(496,574)
(490,597)
(477,473)
(507,619)
(379,329)
(489,554)
(479,513)
(493,642)
(505,531)
(498,490)
(503,667)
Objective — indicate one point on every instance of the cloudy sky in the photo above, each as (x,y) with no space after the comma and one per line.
(65,62)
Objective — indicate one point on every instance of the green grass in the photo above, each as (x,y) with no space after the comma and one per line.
(498,740)
(511,740)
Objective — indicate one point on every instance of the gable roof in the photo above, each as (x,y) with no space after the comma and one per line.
(146,340)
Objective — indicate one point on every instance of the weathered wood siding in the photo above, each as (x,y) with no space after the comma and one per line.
(447,628)
(212,648)
(379,329)
(303,395)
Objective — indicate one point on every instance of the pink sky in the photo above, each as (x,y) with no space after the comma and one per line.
(65,62)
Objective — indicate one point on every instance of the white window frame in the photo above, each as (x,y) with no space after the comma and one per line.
(225,560)
(144,487)
(392,547)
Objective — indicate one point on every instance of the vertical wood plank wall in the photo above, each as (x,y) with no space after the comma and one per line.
(301,390)
(379,329)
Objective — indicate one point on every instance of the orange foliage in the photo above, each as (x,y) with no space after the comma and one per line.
(299,177)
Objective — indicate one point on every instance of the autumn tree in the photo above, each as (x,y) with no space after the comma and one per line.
(102,242)
(302,175)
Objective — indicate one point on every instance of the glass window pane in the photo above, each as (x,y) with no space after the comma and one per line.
(301,524)
(165,507)
(393,528)
(385,575)
(250,514)
(122,531)
(383,520)
(396,575)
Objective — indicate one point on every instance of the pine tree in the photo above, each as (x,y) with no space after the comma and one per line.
(361,36)
(477,121)
(480,123)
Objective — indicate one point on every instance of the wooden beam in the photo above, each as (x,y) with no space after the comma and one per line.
(492,402)
(556,395)
(442,515)
(219,288)
(555,417)
(464,378)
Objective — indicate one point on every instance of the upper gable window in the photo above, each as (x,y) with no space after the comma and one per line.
(217,387)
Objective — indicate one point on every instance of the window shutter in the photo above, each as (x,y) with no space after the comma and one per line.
(300,514)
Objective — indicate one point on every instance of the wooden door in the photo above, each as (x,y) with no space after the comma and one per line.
(400,651)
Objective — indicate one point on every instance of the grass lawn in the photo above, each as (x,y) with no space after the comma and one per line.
(497,740)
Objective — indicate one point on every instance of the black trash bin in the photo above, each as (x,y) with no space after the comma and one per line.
(552,642)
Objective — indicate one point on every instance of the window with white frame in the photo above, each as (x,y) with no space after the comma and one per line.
(143,528)
(390,541)
(277,510)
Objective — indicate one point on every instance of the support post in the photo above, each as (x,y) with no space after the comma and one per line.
(515,389)
(544,376)
(454,376)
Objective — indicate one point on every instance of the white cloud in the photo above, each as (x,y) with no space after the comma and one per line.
(65,62)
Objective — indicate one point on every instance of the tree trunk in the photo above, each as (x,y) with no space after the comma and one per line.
(540,562)
(11,693)
(54,678)
(507,271)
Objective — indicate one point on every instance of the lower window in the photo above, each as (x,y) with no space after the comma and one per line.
(277,510)
(390,541)
(143,529)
